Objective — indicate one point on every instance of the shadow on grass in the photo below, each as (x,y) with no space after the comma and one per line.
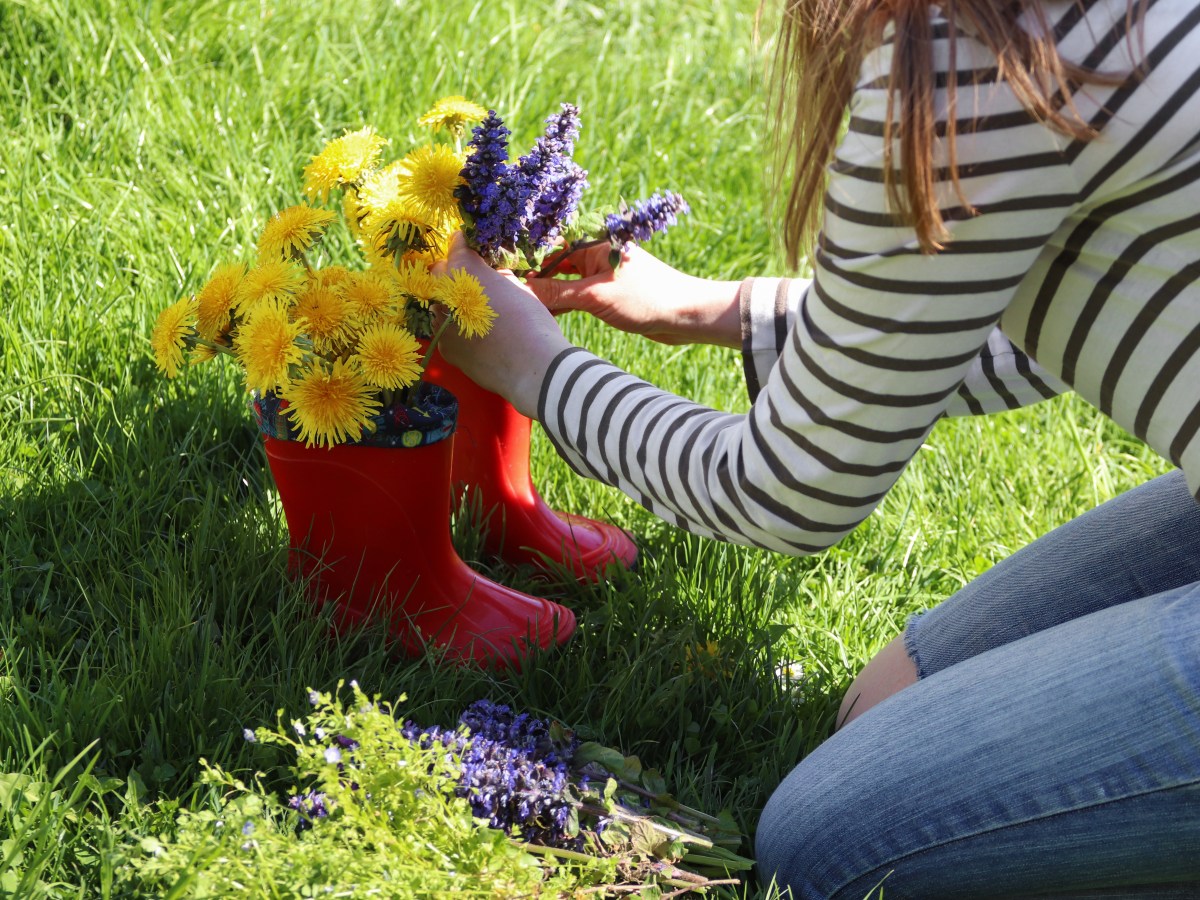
(144,606)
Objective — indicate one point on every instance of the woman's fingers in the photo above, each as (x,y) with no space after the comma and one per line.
(560,296)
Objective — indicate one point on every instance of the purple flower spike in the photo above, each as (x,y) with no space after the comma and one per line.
(551,152)
(524,204)
(563,128)
(556,204)
(645,218)
(552,179)
(489,161)
(512,772)
(488,195)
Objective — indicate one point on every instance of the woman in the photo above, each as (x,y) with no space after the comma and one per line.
(1018,181)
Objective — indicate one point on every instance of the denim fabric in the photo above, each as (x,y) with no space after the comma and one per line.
(1139,544)
(1052,748)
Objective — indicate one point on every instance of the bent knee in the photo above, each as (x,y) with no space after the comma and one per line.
(801,835)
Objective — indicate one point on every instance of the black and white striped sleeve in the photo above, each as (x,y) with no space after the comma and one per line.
(874,352)
(1000,379)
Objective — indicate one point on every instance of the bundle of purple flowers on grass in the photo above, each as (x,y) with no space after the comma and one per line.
(516,214)
(566,801)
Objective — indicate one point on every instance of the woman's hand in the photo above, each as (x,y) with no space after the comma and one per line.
(510,360)
(644,296)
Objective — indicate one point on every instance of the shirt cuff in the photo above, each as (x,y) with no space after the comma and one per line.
(767,307)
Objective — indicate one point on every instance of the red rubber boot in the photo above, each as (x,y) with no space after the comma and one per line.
(371,527)
(491,455)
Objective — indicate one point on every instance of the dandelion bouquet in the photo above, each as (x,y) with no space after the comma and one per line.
(335,353)
(505,804)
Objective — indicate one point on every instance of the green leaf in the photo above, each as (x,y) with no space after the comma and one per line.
(135,788)
(631,769)
(164,771)
(725,817)
(14,789)
(720,714)
(606,757)
(648,841)
(610,788)
(101,785)
(572,827)
(653,781)
(585,226)
(615,835)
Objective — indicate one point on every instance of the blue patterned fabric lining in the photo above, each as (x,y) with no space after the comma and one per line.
(430,419)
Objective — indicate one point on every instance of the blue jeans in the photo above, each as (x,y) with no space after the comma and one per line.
(1051,747)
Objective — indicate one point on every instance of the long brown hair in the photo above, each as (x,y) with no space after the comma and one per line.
(816,61)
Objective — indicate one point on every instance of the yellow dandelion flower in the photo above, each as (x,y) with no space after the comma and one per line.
(413,279)
(389,356)
(428,177)
(463,295)
(167,337)
(265,345)
(453,113)
(291,231)
(342,161)
(332,276)
(376,261)
(369,294)
(400,227)
(215,300)
(378,190)
(325,316)
(437,246)
(271,281)
(707,659)
(330,404)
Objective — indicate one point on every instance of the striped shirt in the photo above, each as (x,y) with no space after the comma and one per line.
(1083,256)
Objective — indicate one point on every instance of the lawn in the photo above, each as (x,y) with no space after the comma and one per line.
(145,615)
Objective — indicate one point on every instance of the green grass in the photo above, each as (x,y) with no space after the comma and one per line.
(144,613)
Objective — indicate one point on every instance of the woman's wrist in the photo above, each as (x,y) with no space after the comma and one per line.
(526,373)
(709,314)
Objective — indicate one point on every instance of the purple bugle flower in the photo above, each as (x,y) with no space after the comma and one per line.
(644,219)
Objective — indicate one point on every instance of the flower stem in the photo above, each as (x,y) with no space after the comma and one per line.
(687,888)
(556,851)
(686,836)
(197,341)
(561,257)
(433,341)
(668,801)
(737,864)
(304,260)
